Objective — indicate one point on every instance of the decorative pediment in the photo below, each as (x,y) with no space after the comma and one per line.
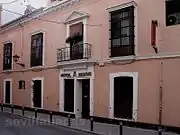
(76,15)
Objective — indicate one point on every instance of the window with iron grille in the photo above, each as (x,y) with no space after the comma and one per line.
(37,50)
(21,84)
(172,12)
(7,59)
(122,32)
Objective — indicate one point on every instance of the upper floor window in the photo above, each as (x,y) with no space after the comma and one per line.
(7,58)
(37,50)
(172,12)
(122,32)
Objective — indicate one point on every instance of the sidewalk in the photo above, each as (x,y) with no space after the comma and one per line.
(84,125)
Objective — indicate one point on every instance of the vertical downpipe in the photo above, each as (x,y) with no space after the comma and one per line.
(161,92)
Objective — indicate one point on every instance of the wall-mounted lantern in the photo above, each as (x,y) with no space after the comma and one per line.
(16,59)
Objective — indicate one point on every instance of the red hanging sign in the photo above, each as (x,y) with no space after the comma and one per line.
(153,34)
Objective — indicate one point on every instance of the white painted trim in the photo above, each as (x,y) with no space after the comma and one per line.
(42,90)
(91,102)
(75,90)
(61,93)
(136,58)
(83,15)
(84,36)
(5,80)
(85,30)
(136,28)
(135,92)
(61,89)
(67,33)
(44,43)
(120,6)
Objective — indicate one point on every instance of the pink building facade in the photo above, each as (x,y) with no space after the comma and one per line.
(95,58)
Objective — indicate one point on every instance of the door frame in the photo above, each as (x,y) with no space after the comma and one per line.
(42,91)
(5,80)
(135,93)
(61,89)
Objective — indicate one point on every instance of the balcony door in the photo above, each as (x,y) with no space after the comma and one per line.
(76,44)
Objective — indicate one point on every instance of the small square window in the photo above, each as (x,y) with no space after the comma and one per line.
(172,12)
(21,84)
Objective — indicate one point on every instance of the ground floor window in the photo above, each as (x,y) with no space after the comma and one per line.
(69,95)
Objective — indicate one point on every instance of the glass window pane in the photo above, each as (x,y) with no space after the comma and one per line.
(125,41)
(125,31)
(125,22)
(116,42)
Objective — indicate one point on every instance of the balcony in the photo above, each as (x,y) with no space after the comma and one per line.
(122,50)
(75,52)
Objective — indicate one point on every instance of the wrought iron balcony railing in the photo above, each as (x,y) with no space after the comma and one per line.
(74,52)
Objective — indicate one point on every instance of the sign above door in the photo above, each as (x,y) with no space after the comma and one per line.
(75,74)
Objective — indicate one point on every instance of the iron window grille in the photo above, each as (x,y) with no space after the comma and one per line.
(7,58)
(22,84)
(37,50)
(172,12)
(122,32)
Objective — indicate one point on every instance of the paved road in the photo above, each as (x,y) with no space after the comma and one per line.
(15,125)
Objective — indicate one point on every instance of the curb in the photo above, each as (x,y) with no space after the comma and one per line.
(52,123)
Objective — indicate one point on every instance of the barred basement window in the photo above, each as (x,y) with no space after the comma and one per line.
(21,84)
(122,32)
(37,50)
(172,12)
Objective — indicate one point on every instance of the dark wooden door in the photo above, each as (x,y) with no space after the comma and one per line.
(69,95)
(123,97)
(7,92)
(37,92)
(85,98)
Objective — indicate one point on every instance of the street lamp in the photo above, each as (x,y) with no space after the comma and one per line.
(16,59)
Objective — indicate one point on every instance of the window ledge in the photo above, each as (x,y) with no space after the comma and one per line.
(37,68)
(76,62)
(7,71)
(123,58)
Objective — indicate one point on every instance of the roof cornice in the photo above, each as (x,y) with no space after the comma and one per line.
(38,13)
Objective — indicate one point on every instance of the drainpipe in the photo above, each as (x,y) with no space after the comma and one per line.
(161,92)
(154,25)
